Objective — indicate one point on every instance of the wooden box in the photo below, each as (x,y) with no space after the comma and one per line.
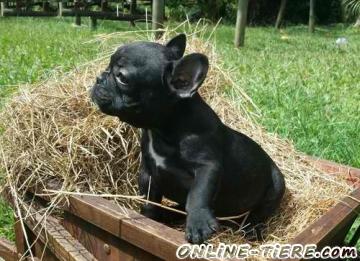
(96,229)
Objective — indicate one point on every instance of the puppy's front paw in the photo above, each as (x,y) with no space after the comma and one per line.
(200,225)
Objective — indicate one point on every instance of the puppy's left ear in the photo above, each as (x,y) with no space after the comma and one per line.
(177,46)
(184,77)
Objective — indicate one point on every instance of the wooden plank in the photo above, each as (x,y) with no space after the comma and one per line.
(31,13)
(8,250)
(19,237)
(324,230)
(352,174)
(128,225)
(20,243)
(38,248)
(96,14)
(56,237)
(42,252)
(149,235)
(102,244)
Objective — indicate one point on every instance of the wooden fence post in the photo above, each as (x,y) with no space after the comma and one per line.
(2,7)
(18,5)
(19,238)
(312,16)
(133,7)
(46,6)
(77,15)
(60,9)
(157,16)
(280,14)
(104,5)
(78,20)
(93,22)
(241,19)
(357,23)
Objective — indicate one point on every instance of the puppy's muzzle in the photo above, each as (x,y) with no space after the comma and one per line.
(100,95)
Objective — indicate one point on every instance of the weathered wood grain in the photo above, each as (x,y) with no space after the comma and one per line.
(103,245)
(128,225)
(352,174)
(55,237)
(8,250)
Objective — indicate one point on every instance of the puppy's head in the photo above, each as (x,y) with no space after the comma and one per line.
(144,80)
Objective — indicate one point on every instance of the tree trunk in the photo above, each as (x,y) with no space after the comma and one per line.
(357,23)
(93,23)
(157,16)
(213,10)
(2,7)
(104,5)
(280,14)
(312,16)
(133,6)
(241,22)
(77,16)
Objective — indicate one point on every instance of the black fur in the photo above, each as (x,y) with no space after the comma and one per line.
(191,156)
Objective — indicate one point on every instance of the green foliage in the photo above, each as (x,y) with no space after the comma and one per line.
(352,7)
(6,215)
(177,10)
(194,9)
(6,221)
(260,11)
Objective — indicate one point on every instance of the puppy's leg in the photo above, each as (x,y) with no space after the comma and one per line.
(200,221)
(151,191)
(171,217)
(269,205)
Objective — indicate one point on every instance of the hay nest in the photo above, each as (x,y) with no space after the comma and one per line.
(52,133)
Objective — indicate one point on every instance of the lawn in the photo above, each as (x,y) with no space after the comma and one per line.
(307,89)
(30,48)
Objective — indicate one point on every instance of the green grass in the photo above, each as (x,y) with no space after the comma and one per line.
(30,48)
(308,90)
(6,221)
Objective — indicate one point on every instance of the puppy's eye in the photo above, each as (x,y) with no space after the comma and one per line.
(122,79)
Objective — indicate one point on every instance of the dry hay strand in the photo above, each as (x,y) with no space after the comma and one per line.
(53,134)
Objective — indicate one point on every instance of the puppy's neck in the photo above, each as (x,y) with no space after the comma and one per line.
(188,116)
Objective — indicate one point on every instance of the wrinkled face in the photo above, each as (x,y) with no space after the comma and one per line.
(144,80)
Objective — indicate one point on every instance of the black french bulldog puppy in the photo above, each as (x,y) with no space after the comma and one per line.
(191,156)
